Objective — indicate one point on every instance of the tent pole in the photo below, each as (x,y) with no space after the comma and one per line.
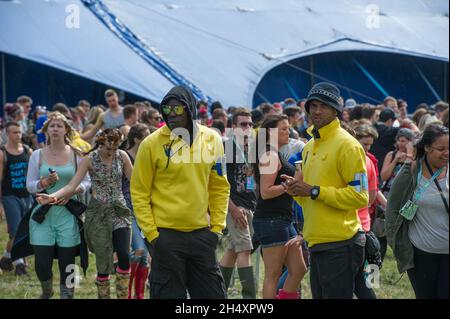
(3,79)
(445,91)
(311,69)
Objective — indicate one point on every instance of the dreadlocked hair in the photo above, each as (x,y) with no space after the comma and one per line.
(110,135)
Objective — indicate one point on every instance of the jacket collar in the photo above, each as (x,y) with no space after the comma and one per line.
(165,130)
(324,132)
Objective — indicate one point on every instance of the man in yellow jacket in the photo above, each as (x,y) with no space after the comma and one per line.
(180,198)
(331,188)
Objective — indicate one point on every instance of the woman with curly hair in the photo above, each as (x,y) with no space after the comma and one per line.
(417,223)
(108,219)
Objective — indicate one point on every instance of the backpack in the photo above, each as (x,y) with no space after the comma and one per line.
(373,250)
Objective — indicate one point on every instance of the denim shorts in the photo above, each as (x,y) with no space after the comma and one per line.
(15,209)
(271,232)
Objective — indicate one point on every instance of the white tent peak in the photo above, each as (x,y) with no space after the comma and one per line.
(224,47)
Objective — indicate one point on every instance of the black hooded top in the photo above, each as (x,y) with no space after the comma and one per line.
(185,96)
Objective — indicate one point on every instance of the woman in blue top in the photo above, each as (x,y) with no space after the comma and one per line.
(107,225)
(50,169)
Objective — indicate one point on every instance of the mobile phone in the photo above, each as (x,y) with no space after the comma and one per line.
(51,170)
(298,169)
(298,165)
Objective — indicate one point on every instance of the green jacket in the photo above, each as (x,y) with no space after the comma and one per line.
(397,226)
(98,231)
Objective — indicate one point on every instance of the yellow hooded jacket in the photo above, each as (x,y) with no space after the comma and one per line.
(174,185)
(337,163)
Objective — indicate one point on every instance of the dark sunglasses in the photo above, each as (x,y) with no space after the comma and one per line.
(245,124)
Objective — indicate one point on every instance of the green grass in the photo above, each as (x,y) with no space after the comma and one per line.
(391,286)
(28,287)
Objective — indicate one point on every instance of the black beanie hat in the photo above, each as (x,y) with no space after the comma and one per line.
(326,93)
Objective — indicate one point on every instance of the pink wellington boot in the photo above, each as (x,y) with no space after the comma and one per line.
(288,295)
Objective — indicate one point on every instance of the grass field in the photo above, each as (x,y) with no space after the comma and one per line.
(28,287)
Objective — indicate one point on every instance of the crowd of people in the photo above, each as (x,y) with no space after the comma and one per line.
(320,185)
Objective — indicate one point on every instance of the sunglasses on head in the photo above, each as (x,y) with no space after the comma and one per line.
(177,109)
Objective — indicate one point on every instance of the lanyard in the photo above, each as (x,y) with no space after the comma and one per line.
(437,185)
(240,151)
(420,191)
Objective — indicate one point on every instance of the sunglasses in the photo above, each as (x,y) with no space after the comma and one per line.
(177,109)
(245,124)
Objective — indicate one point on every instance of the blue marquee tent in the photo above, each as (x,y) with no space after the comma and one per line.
(240,52)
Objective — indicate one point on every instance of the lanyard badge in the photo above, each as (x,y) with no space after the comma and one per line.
(409,210)
(250,184)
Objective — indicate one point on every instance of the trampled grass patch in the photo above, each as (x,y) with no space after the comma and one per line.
(28,287)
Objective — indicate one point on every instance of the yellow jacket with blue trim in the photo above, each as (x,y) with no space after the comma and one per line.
(336,162)
(174,185)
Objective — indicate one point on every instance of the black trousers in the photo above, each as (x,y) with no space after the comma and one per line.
(361,289)
(43,262)
(185,262)
(333,272)
(429,277)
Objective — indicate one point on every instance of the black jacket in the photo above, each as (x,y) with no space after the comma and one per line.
(22,247)
(384,143)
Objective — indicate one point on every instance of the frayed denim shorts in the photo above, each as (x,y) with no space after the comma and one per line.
(271,232)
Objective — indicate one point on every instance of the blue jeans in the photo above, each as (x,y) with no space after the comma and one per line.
(271,232)
(138,243)
(15,208)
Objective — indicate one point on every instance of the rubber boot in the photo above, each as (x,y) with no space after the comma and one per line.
(227,272)
(65,292)
(247,282)
(139,282)
(103,288)
(47,289)
(134,267)
(122,282)
(288,295)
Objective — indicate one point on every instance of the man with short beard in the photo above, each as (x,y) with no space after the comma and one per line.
(331,187)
